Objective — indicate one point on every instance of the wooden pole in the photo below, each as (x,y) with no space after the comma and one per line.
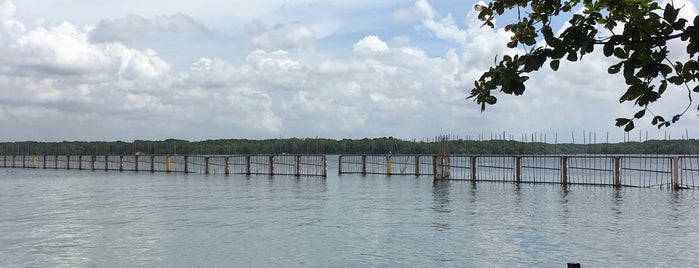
(564,170)
(136,162)
(271,165)
(339,164)
(247,164)
(518,169)
(363,164)
(92,164)
(676,173)
(68,162)
(186,164)
(617,171)
(121,163)
(152,163)
(169,163)
(228,165)
(472,159)
(388,165)
(417,165)
(298,165)
(80,162)
(206,165)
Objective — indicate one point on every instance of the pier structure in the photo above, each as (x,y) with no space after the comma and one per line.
(296,165)
(615,170)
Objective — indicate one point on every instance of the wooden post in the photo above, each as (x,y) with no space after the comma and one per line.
(271,165)
(247,164)
(363,164)
(564,170)
(80,162)
(152,163)
(339,164)
(298,165)
(388,165)
(228,165)
(518,169)
(676,173)
(473,168)
(617,171)
(206,165)
(55,162)
(169,163)
(325,166)
(186,164)
(106,162)
(136,162)
(24,161)
(68,162)
(417,165)
(92,164)
(121,163)
(44,161)
(34,161)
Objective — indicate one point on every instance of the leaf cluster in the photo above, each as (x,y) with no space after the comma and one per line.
(636,32)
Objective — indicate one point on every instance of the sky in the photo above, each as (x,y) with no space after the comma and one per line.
(219,69)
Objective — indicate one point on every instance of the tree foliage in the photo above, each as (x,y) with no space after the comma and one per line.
(635,32)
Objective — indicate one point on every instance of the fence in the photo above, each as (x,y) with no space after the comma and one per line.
(386,164)
(628,170)
(296,165)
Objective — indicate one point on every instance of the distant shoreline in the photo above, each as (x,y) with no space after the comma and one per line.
(344,146)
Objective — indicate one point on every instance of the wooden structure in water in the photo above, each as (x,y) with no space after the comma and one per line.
(616,170)
(295,165)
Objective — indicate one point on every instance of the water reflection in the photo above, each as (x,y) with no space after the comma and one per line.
(78,219)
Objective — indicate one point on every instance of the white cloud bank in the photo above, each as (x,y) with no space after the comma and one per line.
(70,82)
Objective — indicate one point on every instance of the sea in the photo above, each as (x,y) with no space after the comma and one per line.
(71,218)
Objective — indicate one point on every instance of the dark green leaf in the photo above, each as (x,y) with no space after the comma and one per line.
(640,114)
(629,126)
(622,121)
(614,68)
(554,65)
(608,49)
(620,53)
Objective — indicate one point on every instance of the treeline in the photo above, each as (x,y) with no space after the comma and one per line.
(344,146)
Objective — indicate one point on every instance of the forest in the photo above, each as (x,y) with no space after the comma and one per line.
(385,145)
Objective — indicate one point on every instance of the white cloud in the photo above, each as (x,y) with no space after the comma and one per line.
(135,26)
(371,43)
(294,78)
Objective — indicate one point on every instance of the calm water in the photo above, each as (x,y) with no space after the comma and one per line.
(55,218)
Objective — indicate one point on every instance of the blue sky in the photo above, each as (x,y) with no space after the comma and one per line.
(211,69)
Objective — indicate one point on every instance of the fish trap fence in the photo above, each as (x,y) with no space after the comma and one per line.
(633,171)
(297,165)
(386,164)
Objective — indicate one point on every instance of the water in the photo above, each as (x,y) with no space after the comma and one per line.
(58,218)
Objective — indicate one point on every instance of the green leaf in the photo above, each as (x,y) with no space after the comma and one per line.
(614,68)
(572,56)
(608,49)
(554,64)
(629,126)
(663,87)
(620,53)
(640,114)
(670,14)
(622,121)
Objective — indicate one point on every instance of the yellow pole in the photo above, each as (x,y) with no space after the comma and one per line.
(169,164)
(388,164)
(34,160)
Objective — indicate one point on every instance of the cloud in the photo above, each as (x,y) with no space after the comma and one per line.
(294,36)
(371,43)
(134,26)
(57,82)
